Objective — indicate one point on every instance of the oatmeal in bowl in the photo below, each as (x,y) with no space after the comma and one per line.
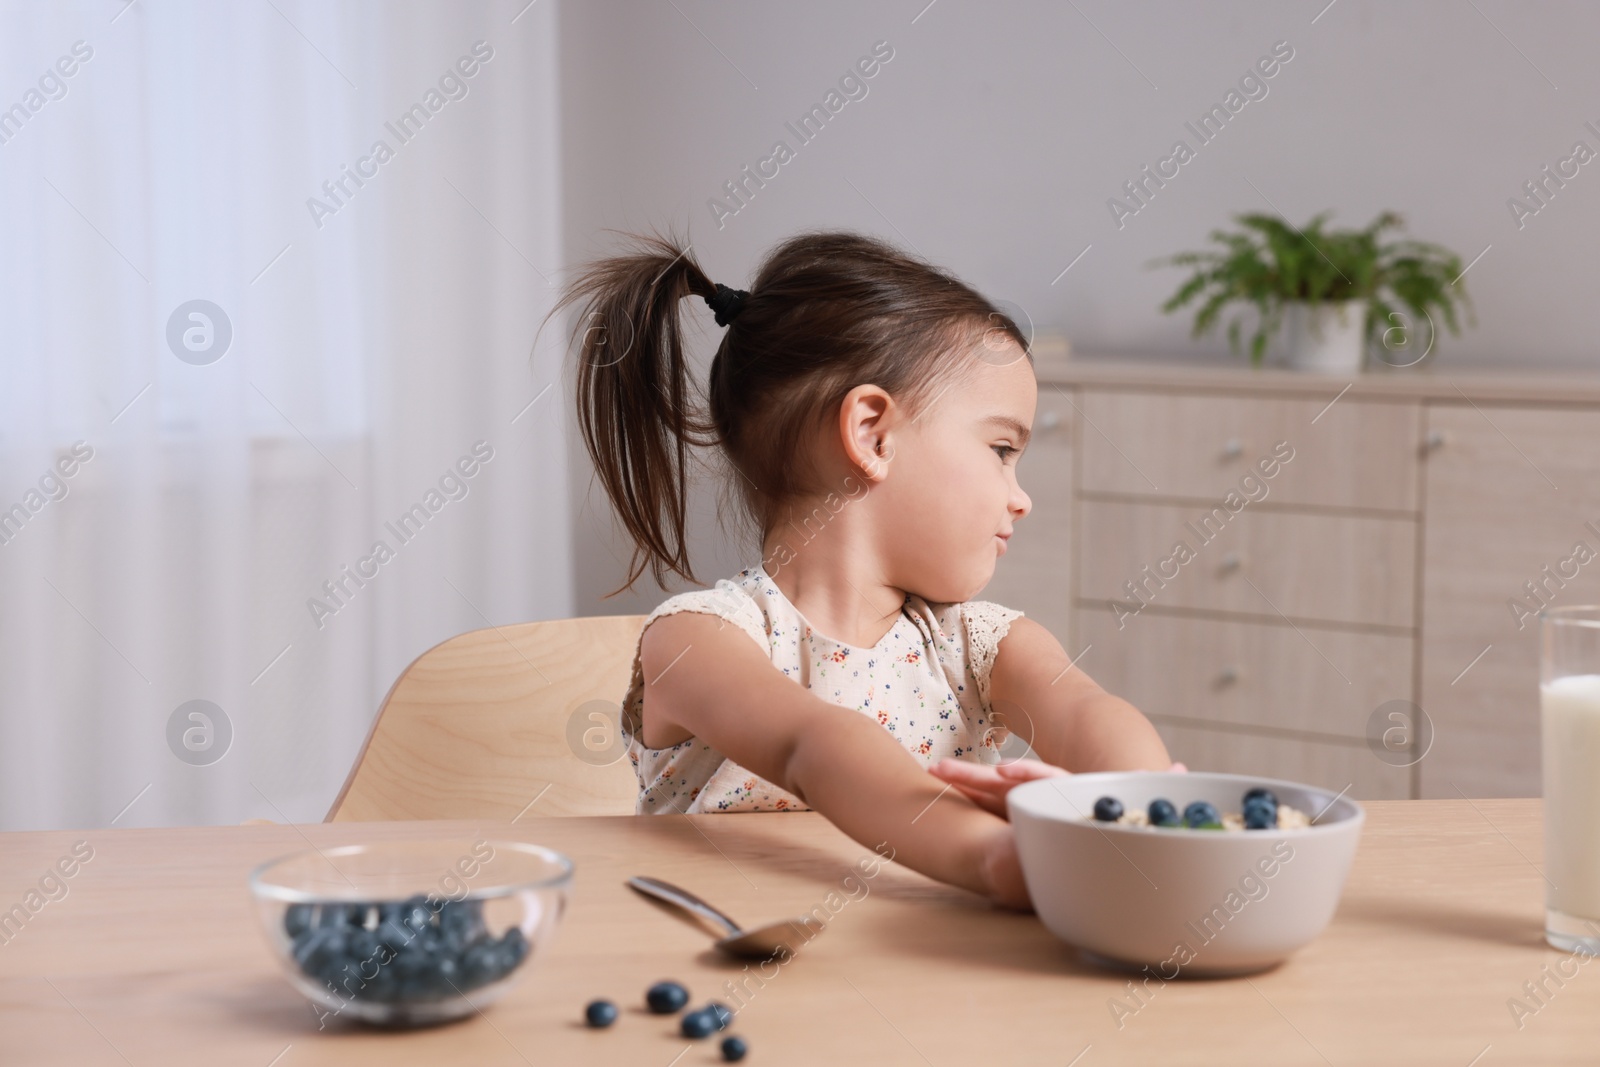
(1259,810)
(1120,864)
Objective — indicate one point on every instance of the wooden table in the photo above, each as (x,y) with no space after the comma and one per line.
(154,958)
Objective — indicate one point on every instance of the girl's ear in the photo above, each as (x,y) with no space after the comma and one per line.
(864,418)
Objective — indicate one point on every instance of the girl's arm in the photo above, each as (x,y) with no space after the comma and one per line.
(706,678)
(1069,720)
(1064,714)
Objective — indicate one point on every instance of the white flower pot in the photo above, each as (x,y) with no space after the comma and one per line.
(1327,339)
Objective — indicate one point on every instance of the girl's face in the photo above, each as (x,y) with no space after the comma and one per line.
(951,472)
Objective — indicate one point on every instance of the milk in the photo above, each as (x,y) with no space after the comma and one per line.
(1569,711)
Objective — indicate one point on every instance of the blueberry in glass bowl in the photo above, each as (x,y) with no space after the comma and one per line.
(410,933)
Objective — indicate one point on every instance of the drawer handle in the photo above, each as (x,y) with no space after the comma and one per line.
(1435,439)
(1232,562)
(1049,420)
(1227,676)
(1232,448)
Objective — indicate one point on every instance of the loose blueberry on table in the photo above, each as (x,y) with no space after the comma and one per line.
(698,1024)
(418,953)
(666,997)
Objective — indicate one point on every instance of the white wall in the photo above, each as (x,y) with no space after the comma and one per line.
(993,139)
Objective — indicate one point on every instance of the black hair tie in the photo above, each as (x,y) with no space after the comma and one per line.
(726,303)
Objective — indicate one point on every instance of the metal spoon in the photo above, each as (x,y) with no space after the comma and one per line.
(758,943)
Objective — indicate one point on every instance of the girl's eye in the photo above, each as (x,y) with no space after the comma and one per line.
(1004,451)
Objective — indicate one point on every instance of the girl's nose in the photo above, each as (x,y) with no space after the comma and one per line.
(1021,503)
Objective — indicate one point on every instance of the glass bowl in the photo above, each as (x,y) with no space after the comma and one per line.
(410,933)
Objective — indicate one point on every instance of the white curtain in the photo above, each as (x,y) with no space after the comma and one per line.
(169,515)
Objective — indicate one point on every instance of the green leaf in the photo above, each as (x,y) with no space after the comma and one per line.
(1267,261)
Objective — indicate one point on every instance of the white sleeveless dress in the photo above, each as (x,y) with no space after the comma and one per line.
(926,682)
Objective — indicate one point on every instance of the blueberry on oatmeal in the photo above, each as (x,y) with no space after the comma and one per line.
(1260,808)
(1202,814)
(1259,815)
(1261,811)
(1262,792)
(1162,812)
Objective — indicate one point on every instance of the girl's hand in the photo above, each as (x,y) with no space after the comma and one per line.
(987,784)
(1002,872)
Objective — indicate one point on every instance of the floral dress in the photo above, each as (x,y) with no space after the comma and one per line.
(926,682)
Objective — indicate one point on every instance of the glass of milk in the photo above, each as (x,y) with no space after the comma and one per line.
(1569,731)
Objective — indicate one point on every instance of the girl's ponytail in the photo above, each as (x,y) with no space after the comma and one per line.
(826,311)
(638,409)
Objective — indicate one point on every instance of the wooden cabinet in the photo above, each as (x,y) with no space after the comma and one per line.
(1513,507)
(1313,681)
(1248,566)
(1260,562)
(1346,452)
(1343,766)
(1268,563)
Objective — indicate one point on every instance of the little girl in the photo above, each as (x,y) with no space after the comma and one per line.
(871,409)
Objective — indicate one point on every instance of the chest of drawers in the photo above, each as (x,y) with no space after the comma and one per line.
(1292,575)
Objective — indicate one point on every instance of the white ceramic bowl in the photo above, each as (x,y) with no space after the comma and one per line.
(1175,900)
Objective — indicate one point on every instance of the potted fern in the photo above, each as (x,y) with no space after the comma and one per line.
(1336,290)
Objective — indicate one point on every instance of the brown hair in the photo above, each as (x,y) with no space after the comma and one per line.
(826,312)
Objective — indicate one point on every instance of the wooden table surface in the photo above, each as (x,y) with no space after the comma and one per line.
(154,957)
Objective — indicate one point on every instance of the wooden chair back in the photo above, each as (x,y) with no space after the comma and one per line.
(491,723)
